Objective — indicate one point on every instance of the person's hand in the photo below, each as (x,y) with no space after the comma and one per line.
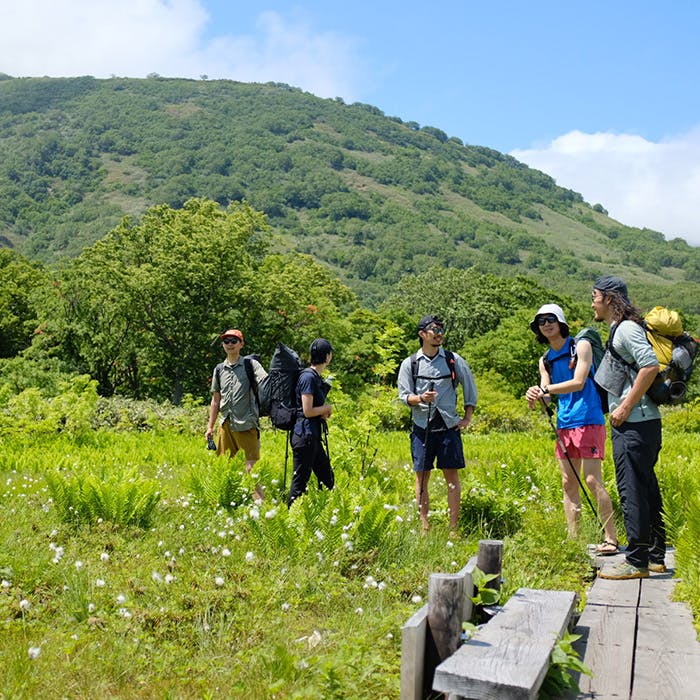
(209,433)
(328,410)
(428,396)
(533,395)
(620,415)
(464,423)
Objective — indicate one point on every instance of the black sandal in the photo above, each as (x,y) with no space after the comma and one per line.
(602,549)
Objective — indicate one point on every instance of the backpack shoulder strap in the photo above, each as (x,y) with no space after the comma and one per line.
(252,380)
(414,369)
(450,357)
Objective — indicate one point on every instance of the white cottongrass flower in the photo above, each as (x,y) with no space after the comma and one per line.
(389,636)
(104,557)
(254,513)
(99,582)
(359,611)
(156,577)
(333,520)
(5,583)
(225,552)
(219,581)
(399,519)
(417,599)
(91,608)
(319,535)
(34,652)
(271,513)
(169,578)
(381,585)
(24,604)
(121,598)
(222,534)
(249,556)
(285,607)
(124,613)
(449,543)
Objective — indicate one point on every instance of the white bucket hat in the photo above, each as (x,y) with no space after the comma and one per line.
(548,309)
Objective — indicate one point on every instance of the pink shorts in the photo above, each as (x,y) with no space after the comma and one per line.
(585,442)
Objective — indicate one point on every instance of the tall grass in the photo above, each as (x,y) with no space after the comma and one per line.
(213,595)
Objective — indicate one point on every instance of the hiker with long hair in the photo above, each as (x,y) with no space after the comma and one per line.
(310,429)
(628,369)
(428,383)
(580,448)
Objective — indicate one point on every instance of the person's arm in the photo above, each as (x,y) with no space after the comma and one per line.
(213,413)
(406,390)
(535,393)
(311,411)
(644,379)
(584,360)
(466,379)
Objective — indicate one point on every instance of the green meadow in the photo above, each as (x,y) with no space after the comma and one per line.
(135,564)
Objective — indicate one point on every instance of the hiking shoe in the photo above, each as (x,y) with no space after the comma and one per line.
(623,570)
(657,568)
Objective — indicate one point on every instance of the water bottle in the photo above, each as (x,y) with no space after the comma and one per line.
(211,445)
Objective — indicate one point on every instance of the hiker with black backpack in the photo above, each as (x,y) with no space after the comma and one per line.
(234,401)
(428,382)
(565,372)
(308,438)
(628,370)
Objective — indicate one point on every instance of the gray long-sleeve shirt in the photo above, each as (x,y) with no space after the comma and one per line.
(436,369)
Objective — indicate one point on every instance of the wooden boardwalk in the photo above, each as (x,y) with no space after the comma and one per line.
(639,643)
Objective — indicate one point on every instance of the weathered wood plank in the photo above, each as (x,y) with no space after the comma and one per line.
(413,637)
(606,647)
(508,658)
(622,593)
(666,675)
(445,606)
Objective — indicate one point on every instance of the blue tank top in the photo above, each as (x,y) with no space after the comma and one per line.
(579,407)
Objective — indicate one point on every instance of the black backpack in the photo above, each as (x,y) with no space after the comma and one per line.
(598,350)
(285,368)
(261,390)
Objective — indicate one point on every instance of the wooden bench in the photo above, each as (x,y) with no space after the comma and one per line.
(508,658)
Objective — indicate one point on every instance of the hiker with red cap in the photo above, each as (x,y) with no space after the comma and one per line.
(234,403)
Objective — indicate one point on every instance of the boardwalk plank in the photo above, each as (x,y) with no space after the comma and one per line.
(607,647)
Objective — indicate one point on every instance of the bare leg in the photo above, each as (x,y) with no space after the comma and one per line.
(259,491)
(454,495)
(422,497)
(593,471)
(572,496)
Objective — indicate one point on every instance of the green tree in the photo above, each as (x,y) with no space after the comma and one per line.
(22,285)
(139,307)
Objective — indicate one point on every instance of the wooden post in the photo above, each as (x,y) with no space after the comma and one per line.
(445,603)
(490,560)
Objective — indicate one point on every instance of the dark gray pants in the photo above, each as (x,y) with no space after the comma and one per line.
(635,451)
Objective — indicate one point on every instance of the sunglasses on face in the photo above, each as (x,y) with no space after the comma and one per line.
(231,341)
(546,319)
(436,330)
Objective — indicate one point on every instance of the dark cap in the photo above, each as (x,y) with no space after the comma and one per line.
(608,283)
(319,350)
(427,320)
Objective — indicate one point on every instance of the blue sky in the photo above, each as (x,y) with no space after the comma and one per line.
(601,95)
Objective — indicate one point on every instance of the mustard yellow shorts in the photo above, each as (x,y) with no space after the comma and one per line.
(230,441)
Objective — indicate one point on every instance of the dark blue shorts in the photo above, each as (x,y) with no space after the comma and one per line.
(446,445)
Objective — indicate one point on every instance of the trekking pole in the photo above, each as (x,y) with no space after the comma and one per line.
(286,458)
(431,387)
(550,412)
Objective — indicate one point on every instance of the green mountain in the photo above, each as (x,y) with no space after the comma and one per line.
(371,196)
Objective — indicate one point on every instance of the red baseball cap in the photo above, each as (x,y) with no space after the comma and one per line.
(232,333)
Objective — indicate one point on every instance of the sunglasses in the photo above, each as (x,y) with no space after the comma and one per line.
(546,319)
(436,330)
(231,341)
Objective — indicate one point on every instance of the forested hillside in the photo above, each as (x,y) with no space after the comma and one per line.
(371,196)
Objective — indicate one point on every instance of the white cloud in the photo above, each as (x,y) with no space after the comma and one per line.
(133,38)
(640,183)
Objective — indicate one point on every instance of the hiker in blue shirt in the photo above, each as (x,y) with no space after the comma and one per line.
(310,429)
(628,370)
(565,373)
(428,384)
